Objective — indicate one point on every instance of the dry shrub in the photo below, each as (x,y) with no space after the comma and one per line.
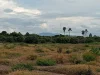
(59,50)
(4,70)
(4,62)
(32,73)
(76,58)
(31,57)
(9,55)
(92,63)
(69,69)
(60,58)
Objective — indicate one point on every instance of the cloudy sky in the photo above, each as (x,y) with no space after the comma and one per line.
(37,16)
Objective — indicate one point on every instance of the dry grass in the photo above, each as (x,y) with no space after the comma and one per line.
(12,54)
(32,73)
(67,69)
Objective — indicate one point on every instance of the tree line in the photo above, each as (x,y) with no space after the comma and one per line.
(17,37)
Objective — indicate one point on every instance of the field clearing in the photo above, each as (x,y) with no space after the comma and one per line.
(49,59)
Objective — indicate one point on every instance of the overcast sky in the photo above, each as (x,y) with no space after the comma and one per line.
(37,16)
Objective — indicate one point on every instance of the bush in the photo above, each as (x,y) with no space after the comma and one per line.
(98,70)
(59,50)
(45,62)
(32,57)
(89,57)
(59,58)
(96,51)
(9,55)
(68,51)
(22,67)
(69,70)
(86,45)
(76,59)
(4,62)
(9,46)
(39,50)
(88,72)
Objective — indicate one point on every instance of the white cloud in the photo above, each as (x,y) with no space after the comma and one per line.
(26,11)
(77,19)
(44,26)
(16,9)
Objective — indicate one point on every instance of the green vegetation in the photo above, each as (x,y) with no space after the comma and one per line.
(45,62)
(15,37)
(96,51)
(89,57)
(22,67)
(53,59)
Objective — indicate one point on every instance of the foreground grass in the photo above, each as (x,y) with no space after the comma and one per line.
(51,59)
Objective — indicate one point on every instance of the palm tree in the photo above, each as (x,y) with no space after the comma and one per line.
(69,30)
(86,31)
(83,33)
(64,29)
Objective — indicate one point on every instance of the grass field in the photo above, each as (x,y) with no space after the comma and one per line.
(49,59)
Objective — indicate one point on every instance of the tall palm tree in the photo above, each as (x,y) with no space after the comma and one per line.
(69,30)
(64,29)
(86,31)
(83,33)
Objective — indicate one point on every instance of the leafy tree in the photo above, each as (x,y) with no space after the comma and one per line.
(4,33)
(90,35)
(27,34)
(20,39)
(31,39)
(10,39)
(2,38)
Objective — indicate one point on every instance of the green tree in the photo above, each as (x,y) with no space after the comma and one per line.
(90,35)
(4,33)
(27,34)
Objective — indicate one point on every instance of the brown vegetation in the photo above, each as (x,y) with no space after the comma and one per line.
(45,59)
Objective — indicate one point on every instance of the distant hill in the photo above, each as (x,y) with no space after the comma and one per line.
(48,34)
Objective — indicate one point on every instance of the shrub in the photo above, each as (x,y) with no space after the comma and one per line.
(45,62)
(69,70)
(9,46)
(76,59)
(98,70)
(85,72)
(23,44)
(59,58)
(39,50)
(68,51)
(10,55)
(4,62)
(59,50)
(22,67)
(86,45)
(89,57)
(96,51)
(32,57)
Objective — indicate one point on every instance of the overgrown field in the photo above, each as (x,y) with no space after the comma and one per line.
(49,59)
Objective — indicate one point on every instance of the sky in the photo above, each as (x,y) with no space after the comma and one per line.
(38,16)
